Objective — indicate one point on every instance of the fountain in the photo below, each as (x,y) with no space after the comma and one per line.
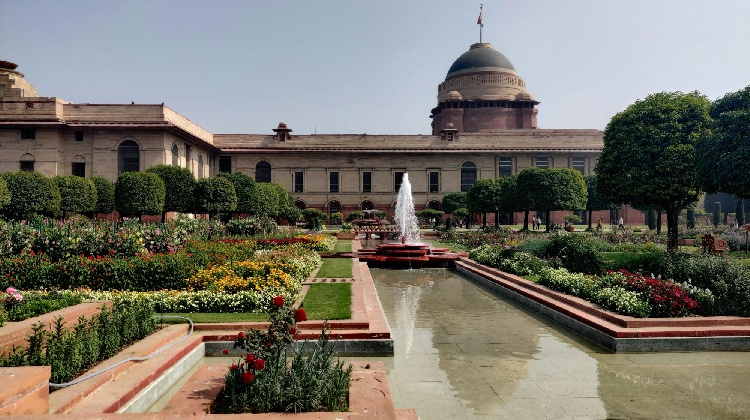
(409,250)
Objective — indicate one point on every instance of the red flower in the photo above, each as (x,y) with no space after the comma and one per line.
(249,358)
(111,252)
(226,351)
(293,331)
(247,377)
(235,367)
(241,335)
(259,364)
(300,315)
(278,301)
(269,344)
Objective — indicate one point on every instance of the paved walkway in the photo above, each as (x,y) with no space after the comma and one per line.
(462,352)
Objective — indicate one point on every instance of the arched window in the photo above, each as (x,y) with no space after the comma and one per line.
(434,205)
(128,157)
(300,204)
(367,205)
(175,155)
(468,175)
(200,166)
(263,171)
(27,162)
(333,207)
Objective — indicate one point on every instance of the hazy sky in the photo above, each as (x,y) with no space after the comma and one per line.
(370,66)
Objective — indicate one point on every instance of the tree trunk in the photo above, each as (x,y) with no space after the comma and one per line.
(658,222)
(591,214)
(672,219)
(497,218)
(525,220)
(164,217)
(546,226)
(484,219)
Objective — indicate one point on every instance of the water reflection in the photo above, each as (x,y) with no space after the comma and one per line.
(462,352)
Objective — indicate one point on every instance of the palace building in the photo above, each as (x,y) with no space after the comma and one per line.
(483,126)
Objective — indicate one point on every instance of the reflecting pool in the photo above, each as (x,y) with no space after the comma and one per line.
(464,352)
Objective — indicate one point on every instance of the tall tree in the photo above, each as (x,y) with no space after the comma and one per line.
(553,189)
(246,190)
(482,198)
(453,201)
(180,184)
(649,154)
(594,203)
(723,155)
(507,195)
(105,195)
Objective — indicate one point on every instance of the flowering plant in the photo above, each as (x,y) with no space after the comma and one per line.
(262,380)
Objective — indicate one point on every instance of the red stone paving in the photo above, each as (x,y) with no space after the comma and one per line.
(613,324)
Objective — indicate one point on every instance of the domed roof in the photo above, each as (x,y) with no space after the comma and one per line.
(480,55)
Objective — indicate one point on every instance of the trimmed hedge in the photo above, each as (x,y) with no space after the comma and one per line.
(31,193)
(139,193)
(105,195)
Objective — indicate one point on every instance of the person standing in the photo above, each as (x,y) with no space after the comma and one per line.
(621,223)
(533,222)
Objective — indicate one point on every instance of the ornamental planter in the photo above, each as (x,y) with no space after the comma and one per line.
(570,228)
(345,235)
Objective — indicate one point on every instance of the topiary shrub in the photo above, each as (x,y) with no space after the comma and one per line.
(30,193)
(4,193)
(77,195)
(105,195)
(215,195)
(179,184)
(246,190)
(139,193)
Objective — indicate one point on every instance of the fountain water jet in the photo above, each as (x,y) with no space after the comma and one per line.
(409,251)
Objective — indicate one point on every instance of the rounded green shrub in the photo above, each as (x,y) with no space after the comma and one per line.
(179,183)
(215,195)
(77,195)
(139,193)
(105,195)
(30,193)
(579,253)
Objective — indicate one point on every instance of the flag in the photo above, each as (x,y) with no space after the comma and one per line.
(479,20)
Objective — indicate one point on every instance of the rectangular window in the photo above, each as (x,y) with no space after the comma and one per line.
(398,178)
(79,135)
(79,169)
(541,162)
(28,133)
(333,185)
(27,166)
(434,182)
(505,166)
(225,164)
(579,164)
(299,182)
(366,182)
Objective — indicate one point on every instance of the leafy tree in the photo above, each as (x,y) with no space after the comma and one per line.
(717,213)
(268,199)
(246,189)
(336,218)
(139,193)
(739,212)
(215,195)
(482,198)
(77,195)
(105,195)
(723,154)
(554,189)
(462,214)
(507,191)
(691,217)
(313,217)
(180,184)
(453,201)
(593,203)
(355,215)
(291,213)
(649,154)
(4,193)
(30,193)
(426,215)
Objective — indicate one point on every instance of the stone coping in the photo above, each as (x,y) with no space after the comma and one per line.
(606,327)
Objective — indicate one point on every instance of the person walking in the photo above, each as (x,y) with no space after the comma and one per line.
(599,225)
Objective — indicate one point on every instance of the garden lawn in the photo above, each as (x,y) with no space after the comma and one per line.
(343,245)
(329,301)
(438,244)
(335,268)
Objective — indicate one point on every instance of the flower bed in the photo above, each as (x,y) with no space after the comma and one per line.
(17,306)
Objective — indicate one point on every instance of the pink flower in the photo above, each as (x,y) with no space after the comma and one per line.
(10,291)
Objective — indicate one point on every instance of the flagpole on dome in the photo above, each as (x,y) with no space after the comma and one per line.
(479,22)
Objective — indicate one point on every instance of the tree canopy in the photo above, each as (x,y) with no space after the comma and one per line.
(30,193)
(724,153)
(105,195)
(482,197)
(552,189)
(139,193)
(215,195)
(77,195)
(453,201)
(246,190)
(649,154)
(179,184)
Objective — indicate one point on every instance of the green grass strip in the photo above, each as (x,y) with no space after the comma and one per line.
(210,317)
(343,245)
(335,268)
(329,301)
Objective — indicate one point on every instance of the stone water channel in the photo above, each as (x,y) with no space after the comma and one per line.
(462,352)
